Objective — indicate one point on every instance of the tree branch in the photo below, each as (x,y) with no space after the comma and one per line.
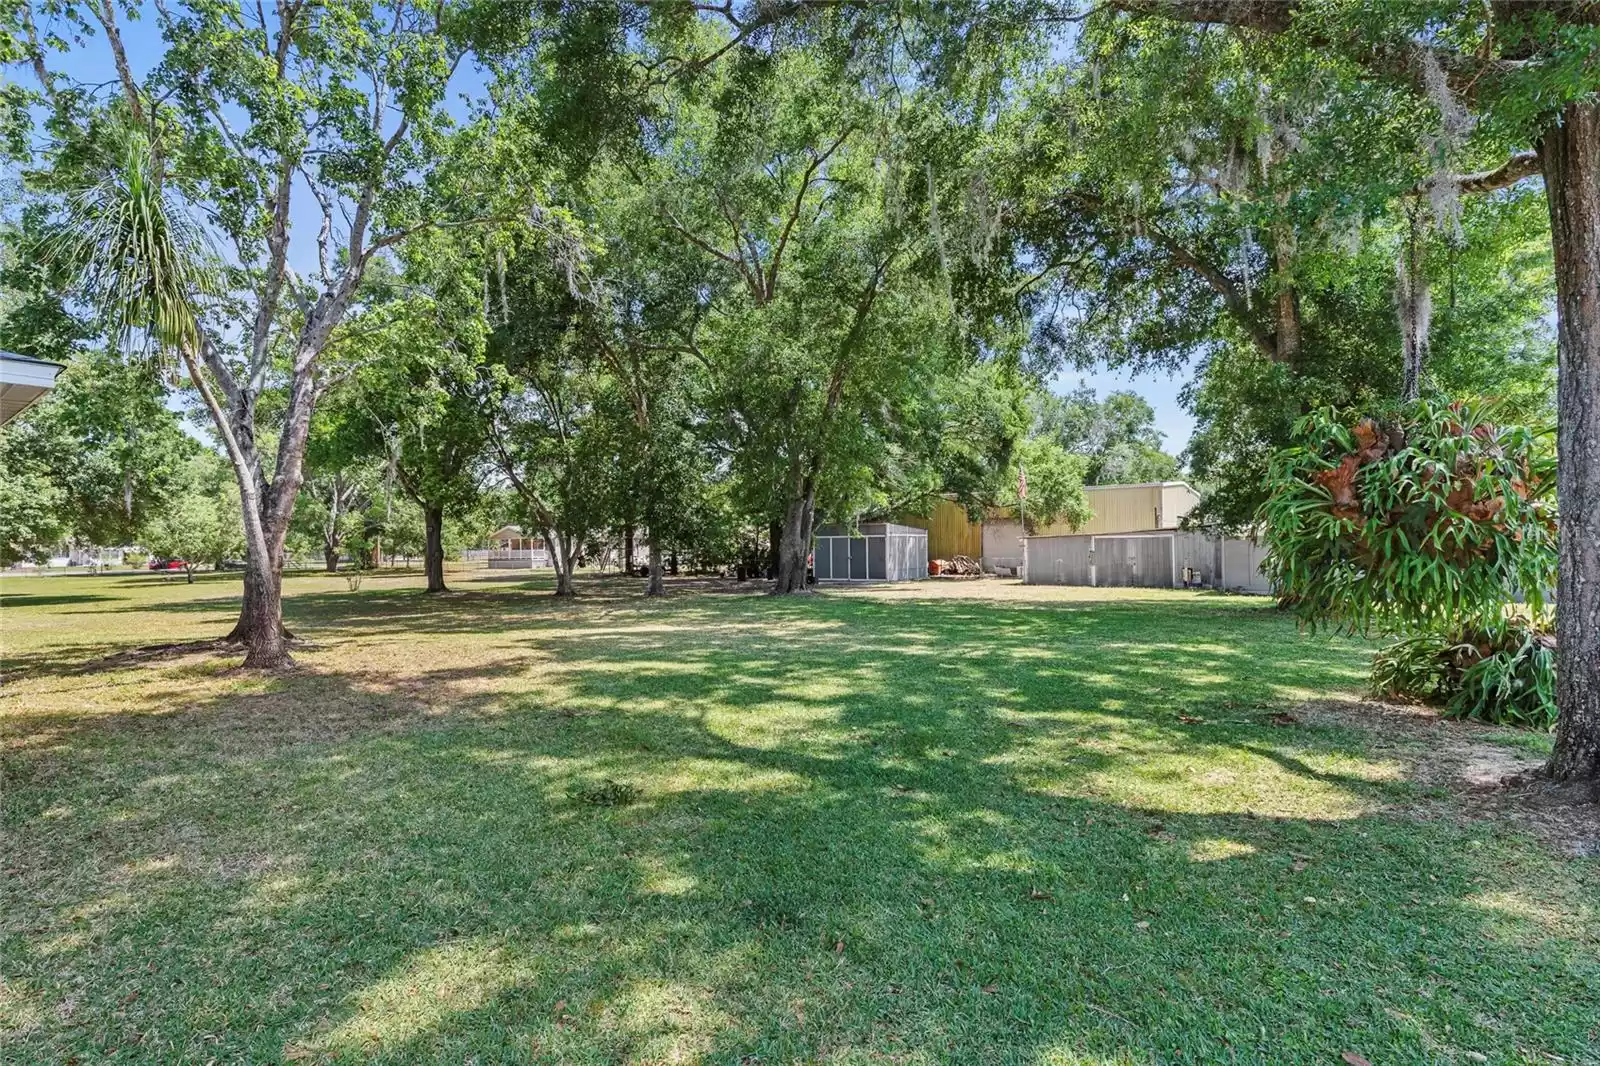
(794,212)
(1519,166)
(1238,307)
(1183,257)
(47,81)
(277,268)
(107,17)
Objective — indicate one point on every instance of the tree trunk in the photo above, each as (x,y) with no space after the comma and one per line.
(795,544)
(260,626)
(627,550)
(560,561)
(330,558)
(433,550)
(774,548)
(1286,314)
(658,585)
(1570,155)
(1414,303)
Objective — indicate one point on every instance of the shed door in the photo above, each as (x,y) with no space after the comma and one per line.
(858,558)
(1152,561)
(1114,562)
(1123,562)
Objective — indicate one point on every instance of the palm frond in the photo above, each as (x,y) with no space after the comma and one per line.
(145,263)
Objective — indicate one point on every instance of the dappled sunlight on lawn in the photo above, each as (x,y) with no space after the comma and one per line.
(954,823)
(436,984)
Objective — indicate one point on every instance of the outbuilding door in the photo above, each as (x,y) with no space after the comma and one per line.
(1133,562)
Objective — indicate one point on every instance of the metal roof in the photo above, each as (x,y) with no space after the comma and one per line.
(23,379)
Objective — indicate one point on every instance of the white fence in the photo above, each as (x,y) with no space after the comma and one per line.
(518,558)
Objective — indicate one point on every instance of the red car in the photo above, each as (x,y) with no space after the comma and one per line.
(166,564)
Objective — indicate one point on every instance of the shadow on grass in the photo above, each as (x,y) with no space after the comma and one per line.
(941,832)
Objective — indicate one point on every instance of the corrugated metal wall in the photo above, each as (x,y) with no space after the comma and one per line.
(1149,560)
(996,541)
(1002,544)
(1199,553)
(950,531)
(1121,508)
(1130,509)
(1241,566)
(1058,561)
(1177,500)
(1138,562)
(908,557)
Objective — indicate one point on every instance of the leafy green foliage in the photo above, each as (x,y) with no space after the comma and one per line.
(1116,436)
(1432,517)
(144,261)
(1055,484)
(111,452)
(31,519)
(1507,676)
(200,528)
(1490,337)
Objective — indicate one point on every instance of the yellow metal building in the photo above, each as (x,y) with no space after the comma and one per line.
(1117,509)
(1132,508)
(950,531)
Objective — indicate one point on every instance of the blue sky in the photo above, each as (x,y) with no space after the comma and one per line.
(91,63)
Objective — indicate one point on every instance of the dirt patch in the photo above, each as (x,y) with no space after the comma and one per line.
(1482,777)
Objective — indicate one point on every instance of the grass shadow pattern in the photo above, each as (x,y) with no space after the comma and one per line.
(859,829)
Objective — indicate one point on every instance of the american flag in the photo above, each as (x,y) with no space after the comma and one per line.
(1022,483)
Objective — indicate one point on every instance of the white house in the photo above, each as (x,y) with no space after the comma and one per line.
(512,549)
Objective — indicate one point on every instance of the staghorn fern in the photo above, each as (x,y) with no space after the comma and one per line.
(1432,519)
(1432,523)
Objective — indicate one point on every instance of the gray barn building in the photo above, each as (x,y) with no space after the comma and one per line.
(873,551)
(1157,559)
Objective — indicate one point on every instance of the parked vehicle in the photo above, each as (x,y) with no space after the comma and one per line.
(167,564)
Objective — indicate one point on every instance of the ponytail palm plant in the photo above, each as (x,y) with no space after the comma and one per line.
(143,260)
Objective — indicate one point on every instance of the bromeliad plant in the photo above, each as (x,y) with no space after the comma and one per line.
(1430,522)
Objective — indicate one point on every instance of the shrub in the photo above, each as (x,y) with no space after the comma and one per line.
(1507,678)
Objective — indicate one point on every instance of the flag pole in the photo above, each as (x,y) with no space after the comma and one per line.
(1022,514)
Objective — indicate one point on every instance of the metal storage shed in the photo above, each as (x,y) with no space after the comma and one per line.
(1157,559)
(875,551)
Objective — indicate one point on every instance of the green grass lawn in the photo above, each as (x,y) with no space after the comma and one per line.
(967,824)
